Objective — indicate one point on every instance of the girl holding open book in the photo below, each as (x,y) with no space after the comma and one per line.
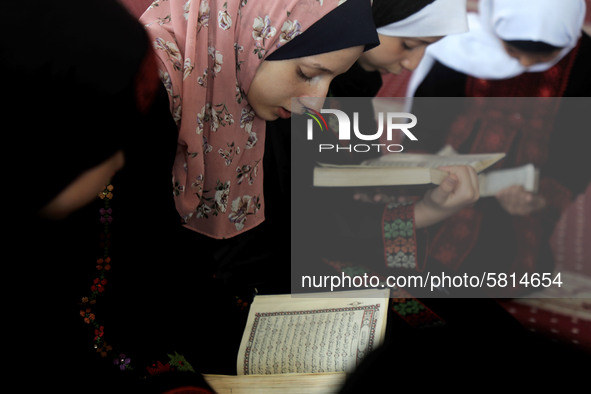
(472,337)
(515,48)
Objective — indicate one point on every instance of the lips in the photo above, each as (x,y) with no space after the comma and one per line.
(283,113)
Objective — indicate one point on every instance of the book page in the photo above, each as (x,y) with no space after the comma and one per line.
(376,176)
(312,383)
(494,181)
(298,334)
(434,161)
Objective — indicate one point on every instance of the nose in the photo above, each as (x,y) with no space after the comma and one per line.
(314,103)
(314,95)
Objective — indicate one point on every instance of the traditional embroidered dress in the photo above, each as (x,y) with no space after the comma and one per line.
(485,237)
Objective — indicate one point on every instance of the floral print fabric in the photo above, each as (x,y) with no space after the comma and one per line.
(209,51)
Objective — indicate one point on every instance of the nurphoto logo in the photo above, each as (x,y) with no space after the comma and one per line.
(387,122)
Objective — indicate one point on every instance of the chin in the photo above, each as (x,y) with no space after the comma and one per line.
(267,116)
(263,114)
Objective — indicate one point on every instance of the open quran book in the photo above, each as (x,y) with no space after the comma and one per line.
(400,169)
(306,343)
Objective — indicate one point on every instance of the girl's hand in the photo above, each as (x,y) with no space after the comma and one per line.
(459,190)
(517,201)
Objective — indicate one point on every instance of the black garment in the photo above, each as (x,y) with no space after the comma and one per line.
(82,85)
(222,276)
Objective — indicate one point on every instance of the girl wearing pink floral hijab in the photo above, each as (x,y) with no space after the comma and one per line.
(230,65)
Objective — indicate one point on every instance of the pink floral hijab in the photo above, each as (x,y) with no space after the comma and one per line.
(209,51)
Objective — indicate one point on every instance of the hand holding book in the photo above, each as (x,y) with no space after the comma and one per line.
(518,201)
(458,190)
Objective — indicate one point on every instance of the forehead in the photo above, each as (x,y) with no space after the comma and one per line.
(331,62)
(384,39)
(424,40)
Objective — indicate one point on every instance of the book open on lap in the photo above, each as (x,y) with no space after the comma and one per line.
(399,169)
(306,340)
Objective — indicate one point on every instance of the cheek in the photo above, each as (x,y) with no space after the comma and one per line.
(265,98)
(315,90)
(388,57)
(256,99)
(259,94)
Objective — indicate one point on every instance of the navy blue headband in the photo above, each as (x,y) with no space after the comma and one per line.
(348,25)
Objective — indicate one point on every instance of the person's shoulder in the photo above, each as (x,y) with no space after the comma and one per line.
(442,81)
(584,48)
(579,83)
(586,41)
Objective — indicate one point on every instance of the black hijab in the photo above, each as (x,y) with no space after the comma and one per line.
(333,32)
(390,11)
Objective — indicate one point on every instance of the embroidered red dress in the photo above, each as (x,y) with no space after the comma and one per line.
(549,134)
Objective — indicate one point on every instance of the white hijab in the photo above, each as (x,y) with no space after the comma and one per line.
(480,53)
(440,18)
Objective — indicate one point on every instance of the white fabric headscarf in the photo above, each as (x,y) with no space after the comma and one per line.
(440,18)
(480,52)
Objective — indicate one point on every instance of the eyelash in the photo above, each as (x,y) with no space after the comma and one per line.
(303,76)
(405,46)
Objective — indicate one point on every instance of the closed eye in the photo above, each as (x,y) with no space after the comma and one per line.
(303,76)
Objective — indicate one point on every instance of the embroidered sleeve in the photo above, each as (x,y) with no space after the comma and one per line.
(399,236)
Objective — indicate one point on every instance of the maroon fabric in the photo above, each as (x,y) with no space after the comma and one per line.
(564,323)
(136,7)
